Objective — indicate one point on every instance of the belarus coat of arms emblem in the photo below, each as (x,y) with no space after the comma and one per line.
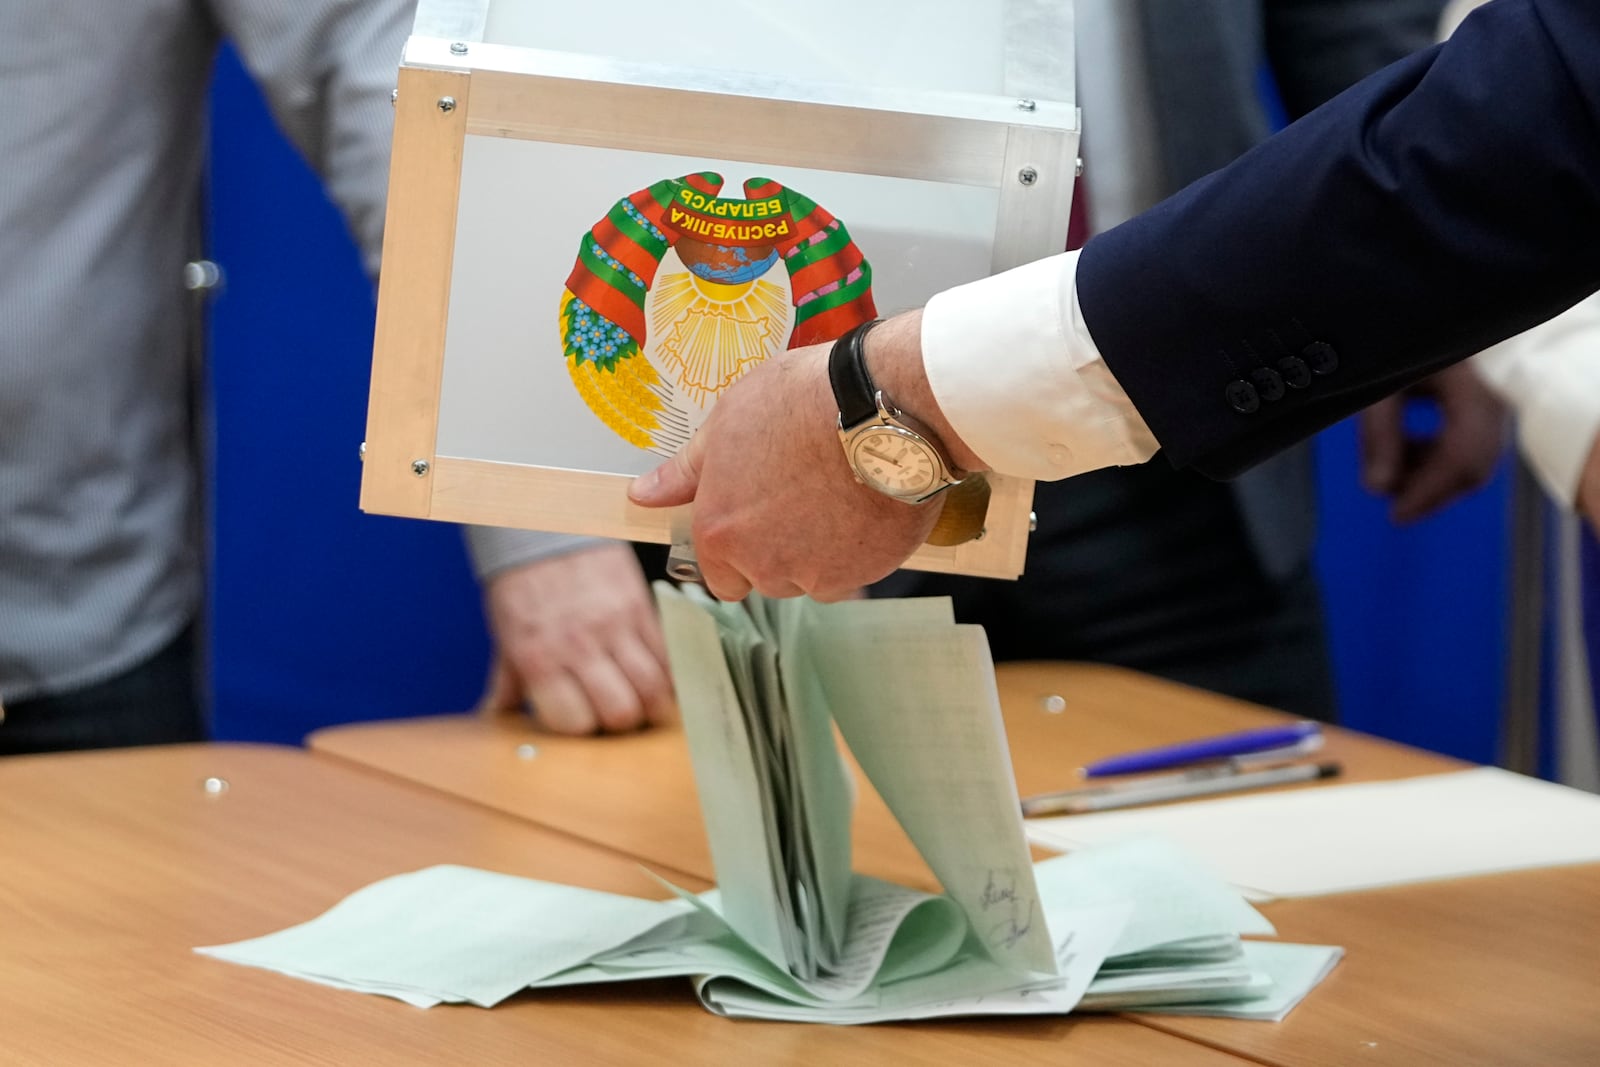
(673,297)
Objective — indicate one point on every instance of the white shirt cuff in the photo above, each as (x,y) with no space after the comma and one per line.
(1014,369)
(1550,375)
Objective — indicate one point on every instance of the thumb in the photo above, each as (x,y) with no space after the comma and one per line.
(1382,445)
(501,694)
(673,482)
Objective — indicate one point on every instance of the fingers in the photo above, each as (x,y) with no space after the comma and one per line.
(647,676)
(559,705)
(501,693)
(1433,482)
(615,706)
(1421,475)
(603,694)
(1460,458)
(780,589)
(833,595)
(594,695)
(579,642)
(1383,444)
(723,581)
(673,482)
(727,584)
(619,683)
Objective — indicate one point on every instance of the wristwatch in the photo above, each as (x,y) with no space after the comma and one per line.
(886,448)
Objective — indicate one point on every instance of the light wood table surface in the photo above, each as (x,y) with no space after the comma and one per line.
(114,865)
(1493,970)
(635,792)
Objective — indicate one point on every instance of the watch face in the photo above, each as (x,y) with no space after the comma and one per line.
(895,461)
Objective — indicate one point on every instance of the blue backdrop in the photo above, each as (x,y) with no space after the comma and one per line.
(321,614)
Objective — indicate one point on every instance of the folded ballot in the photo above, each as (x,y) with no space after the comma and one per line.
(791,932)
(761,686)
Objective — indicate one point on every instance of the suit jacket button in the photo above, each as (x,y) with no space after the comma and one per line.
(1269,383)
(1321,356)
(1296,375)
(1242,397)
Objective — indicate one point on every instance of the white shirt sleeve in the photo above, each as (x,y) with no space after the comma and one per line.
(1014,369)
(1550,376)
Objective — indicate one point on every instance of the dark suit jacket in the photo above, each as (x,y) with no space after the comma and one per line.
(1204,62)
(1448,202)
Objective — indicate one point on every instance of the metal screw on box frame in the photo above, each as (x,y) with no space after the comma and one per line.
(1027,175)
(458,48)
(419,467)
(447,104)
(361,453)
(394,97)
(1026,105)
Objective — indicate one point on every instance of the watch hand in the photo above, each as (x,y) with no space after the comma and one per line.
(879,455)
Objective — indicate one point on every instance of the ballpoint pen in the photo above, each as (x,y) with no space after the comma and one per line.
(1198,783)
(1051,802)
(1204,749)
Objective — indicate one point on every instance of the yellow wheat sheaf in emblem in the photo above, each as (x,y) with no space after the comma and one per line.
(709,334)
(622,397)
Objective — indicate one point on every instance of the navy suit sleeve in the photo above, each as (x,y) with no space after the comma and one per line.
(1447,202)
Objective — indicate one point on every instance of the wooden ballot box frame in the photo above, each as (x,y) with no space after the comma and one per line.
(453,86)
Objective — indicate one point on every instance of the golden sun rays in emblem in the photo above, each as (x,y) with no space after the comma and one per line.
(705,334)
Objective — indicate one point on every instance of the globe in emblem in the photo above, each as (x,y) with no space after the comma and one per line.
(726,264)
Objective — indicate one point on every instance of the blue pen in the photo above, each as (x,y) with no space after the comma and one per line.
(1209,748)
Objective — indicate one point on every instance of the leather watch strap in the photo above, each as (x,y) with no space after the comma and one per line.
(853,389)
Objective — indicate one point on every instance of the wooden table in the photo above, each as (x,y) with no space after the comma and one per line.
(1491,970)
(634,792)
(114,865)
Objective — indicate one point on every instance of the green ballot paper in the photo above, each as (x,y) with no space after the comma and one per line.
(790,932)
(914,697)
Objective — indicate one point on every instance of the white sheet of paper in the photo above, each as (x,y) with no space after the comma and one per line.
(1339,838)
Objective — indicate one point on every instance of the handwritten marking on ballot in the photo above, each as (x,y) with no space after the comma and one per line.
(1014,918)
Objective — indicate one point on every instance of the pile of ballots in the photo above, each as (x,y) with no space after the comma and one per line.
(790,932)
